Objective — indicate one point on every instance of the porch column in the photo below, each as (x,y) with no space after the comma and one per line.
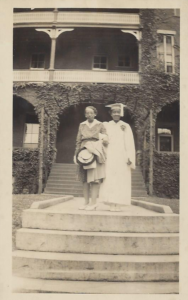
(144,156)
(151,155)
(53,34)
(41,148)
(139,149)
(139,56)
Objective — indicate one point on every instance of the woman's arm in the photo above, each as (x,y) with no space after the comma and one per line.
(78,140)
(103,129)
(104,134)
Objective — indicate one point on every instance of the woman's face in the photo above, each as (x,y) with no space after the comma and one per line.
(116,114)
(90,114)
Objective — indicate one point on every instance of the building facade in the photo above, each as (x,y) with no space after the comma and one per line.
(65,59)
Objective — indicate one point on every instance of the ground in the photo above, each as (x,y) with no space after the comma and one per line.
(21,202)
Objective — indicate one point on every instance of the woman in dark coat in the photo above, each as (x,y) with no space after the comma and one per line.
(90,130)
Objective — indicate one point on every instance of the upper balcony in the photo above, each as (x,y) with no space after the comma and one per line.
(76,19)
(76,54)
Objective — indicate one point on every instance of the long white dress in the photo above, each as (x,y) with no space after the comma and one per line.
(116,187)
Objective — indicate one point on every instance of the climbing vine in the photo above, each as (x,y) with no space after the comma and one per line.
(156,89)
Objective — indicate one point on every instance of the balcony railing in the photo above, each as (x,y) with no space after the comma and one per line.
(77,19)
(33,17)
(78,76)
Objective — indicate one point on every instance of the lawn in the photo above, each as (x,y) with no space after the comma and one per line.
(19,203)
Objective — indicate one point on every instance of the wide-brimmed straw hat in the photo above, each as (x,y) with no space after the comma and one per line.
(84,157)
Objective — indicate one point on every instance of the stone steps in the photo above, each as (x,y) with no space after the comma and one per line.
(62,180)
(98,242)
(28,285)
(61,249)
(100,221)
(92,267)
(77,192)
(68,184)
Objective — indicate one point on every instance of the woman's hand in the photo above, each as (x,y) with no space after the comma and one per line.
(129,162)
(105,143)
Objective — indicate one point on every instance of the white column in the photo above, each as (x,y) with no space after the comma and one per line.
(53,34)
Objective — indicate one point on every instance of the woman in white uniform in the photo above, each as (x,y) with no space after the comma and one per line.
(116,187)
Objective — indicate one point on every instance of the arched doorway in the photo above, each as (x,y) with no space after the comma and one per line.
(68,128)
(25,124)
(167,128)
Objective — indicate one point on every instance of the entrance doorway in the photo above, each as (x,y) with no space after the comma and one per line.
(68,128)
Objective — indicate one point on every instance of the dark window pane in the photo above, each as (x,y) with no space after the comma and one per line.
(168,39)
(41,64)
(120,64)
(103,66)
(34,57)
(127,61)
(160,38)
(165,143)
(34,64)
(41,57)
(103,59)
(96,59)
(169,69)
(96,65)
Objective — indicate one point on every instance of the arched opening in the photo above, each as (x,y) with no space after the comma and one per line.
(97,49)
(167,128)
(25,124)
(68,128)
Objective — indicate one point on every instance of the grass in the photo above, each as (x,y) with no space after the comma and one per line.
(173,203)
(19,203)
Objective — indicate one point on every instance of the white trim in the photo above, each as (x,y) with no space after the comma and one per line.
(99,69)
(166,32)
(172,141)
(165,54)
(164,45)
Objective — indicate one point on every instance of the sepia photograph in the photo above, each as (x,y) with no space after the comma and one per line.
(95,150)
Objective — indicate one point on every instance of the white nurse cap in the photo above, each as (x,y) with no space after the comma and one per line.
(118,105)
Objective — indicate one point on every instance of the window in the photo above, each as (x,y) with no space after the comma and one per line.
(123,61)
(100,62)
(37,61)
(166,50)
(31,135)
(165,139)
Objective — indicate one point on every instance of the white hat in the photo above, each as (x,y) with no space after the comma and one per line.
(119,105)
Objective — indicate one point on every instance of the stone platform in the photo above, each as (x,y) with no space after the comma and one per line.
(133,251)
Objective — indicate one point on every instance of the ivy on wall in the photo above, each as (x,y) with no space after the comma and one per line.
(166,174)
(155,90)
(25,170)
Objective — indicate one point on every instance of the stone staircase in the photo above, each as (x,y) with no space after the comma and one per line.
(62,180)
(64,250)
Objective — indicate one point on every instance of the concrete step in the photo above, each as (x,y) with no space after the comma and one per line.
(28,285)
(98,242)
(80,194)
(76,185)
(69,183)
(100,221)
(68,178)
(73,166)
(92,267)
(73,171)
(46,191)
(79,190)
(86,275)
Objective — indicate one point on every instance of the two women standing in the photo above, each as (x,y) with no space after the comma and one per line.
(114,174)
